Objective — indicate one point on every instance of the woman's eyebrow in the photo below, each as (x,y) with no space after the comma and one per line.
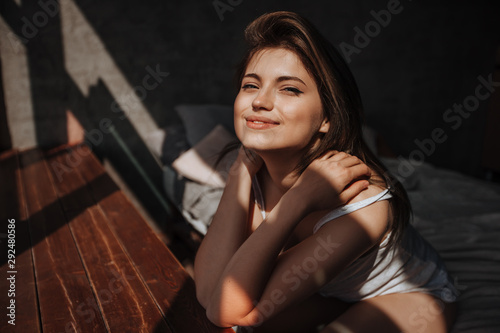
(279,79)
(253,75)
(290,78)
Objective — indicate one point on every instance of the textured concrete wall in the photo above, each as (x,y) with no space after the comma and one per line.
(131,62)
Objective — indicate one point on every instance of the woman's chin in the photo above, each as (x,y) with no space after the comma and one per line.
(257,143)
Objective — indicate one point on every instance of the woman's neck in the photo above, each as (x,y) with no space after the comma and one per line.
(280,171)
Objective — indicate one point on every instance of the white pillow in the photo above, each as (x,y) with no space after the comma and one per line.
(199,162)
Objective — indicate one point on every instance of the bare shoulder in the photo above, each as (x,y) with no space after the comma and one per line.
(376,217)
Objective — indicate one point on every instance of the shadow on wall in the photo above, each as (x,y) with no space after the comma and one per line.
(58,75)
(117,69)
(5,141)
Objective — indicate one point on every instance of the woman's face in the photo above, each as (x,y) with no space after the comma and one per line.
(278,106)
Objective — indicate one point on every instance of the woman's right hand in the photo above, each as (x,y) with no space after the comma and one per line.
(332,180)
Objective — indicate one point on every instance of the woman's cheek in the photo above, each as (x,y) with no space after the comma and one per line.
(237,116)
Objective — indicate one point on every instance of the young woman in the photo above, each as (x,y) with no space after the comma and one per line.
(311,233)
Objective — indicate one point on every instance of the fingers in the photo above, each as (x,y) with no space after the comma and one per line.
(328,155)
(354,170)
(339,155)
(350,161)
(335,174)
(353,190)
(359,170)
(344,159)
(334,155)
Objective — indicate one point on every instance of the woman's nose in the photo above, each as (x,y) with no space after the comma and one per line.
(263,101)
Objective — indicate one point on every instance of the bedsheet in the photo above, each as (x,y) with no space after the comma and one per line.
(460,217)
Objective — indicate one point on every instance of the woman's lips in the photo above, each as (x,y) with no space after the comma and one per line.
(255,122)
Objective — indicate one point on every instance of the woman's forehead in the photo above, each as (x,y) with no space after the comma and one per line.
(275,62)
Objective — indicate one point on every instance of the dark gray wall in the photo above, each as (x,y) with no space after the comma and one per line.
(424,61)
(414,69)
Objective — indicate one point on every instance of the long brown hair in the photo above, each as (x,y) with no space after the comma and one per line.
(339,95)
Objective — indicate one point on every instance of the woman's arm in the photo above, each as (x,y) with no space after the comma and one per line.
(258,282)
(229,227)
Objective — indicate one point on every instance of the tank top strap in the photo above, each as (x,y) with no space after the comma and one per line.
(259,198)
(347,209)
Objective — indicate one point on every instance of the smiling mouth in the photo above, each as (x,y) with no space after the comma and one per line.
(261,120)
(260,124)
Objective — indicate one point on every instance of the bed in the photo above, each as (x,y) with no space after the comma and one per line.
(457,214)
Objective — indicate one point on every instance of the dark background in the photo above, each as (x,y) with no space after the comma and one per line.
(427,58)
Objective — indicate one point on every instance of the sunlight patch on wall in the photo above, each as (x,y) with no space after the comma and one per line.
(87,60)
(76,133)
(17,88)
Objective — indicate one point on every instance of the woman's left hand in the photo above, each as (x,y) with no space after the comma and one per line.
(332,180)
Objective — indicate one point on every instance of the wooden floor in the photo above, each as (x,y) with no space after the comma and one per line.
(78,255)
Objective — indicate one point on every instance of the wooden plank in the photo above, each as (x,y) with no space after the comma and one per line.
(168,282)
(61,280)
(122,297)
(23,293)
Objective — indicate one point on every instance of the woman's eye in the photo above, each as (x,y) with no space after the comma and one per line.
(293,90)
(249,86)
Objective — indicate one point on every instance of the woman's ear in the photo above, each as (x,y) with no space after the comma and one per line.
(325,126)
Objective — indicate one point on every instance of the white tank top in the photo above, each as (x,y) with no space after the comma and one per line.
(411,266)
